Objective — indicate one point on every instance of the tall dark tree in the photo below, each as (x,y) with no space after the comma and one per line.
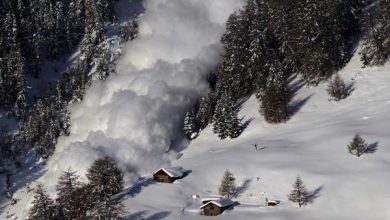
(43,207)
(206,110)
(225,119)
(67,185)
(376,41)
(105,180)
(275,98)
(191,125)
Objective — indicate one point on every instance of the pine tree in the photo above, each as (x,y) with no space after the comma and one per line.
(228,186)
(80,204)
(299,194)
(104,65)
(105,177)
(357,146)
(21,103)
(219,118)
(42,206)
(68,184)
(337,89)
(206,110)
(191,126)
(376,41)
(275,97)
(226,122)
(75,23)
(58,38)
(105,180)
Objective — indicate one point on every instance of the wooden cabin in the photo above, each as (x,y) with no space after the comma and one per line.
(206,200)
(216,207)
(271,202)
(168,175)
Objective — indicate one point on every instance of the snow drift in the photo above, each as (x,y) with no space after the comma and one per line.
(136,115)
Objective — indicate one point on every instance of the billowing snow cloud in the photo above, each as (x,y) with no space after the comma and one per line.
(136,116)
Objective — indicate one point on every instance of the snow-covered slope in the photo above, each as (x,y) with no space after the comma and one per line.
(313,144)
(134,116)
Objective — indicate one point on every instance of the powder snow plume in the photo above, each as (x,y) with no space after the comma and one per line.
(136,116)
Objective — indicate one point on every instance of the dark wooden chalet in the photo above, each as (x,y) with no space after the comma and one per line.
(271,202)
(168,175)
(216,207)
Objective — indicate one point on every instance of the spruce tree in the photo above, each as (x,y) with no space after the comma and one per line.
(299,194)
(43,207)
(105,180)
(80,204)
(228,186)
(225,119)
(21,102)
(376,41)
(275,98)
(75,23)
(67,185)
(206,110)
(337,89)
(191,126)
(357,146)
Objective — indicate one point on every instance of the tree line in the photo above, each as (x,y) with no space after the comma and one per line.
(39,30)
(76,200)
(268,42)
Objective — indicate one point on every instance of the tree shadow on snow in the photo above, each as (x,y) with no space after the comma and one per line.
(244,186)
(372,148)
(296,86)
(314,194)
(134,190)
(246,123)
(297,105)
(29,171)
(141,216)
(350,87)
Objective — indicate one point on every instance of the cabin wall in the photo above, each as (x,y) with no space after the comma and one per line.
(162,177)
(211,210)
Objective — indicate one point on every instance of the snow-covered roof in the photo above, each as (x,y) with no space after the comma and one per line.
(175,172)
(210,198)
(224,202)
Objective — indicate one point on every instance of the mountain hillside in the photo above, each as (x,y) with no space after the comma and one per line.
(210,86)
(313,145)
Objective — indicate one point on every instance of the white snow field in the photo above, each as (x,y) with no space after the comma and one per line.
(135,117)
(312,144)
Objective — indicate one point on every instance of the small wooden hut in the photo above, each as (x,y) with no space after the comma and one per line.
(168,175)
(216,207)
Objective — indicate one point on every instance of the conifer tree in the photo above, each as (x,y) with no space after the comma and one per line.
(357,146)
(105,180)
(228,186)
(337,89)
(299,194)
(376,41)
(206,110)
(67,185)
(191,126)
(225,119)
(43,207)
(75,22)
(275,97)
(81,203)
